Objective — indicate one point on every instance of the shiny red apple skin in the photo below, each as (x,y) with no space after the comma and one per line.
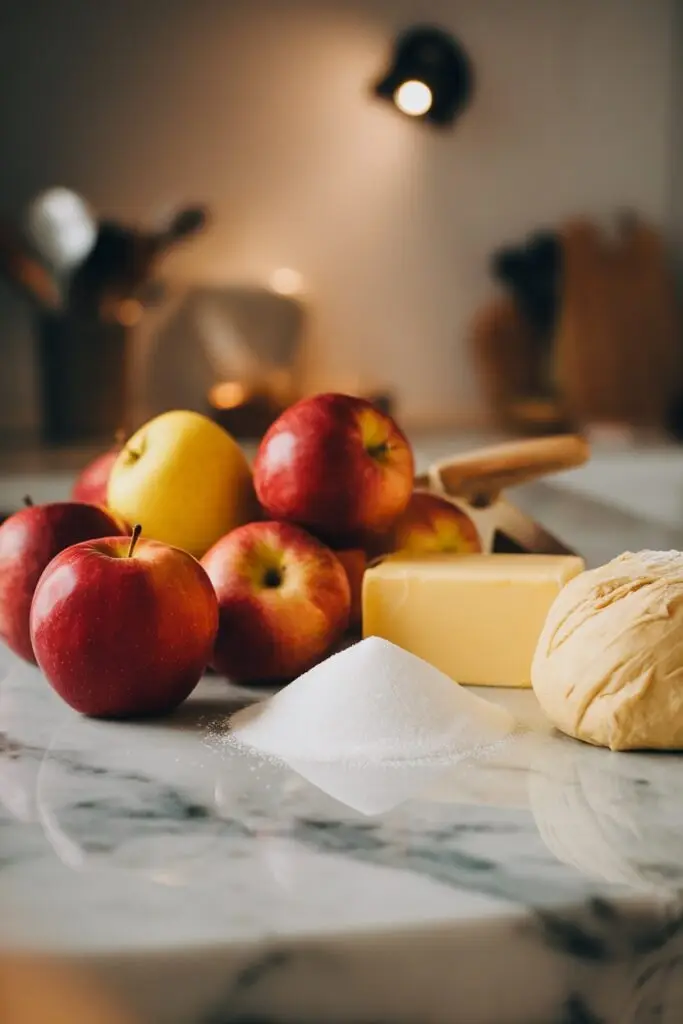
(91,483)
(123,637)
(29,540)
(335,465)
(272,633)
(431,524)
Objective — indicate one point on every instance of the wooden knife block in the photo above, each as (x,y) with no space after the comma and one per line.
(507,357)
(616,356)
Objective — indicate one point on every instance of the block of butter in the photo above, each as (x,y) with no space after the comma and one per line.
(475,617)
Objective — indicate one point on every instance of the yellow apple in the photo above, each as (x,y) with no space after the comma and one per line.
(184,479)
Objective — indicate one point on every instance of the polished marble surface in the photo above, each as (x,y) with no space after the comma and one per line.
(200,883)
(550,862)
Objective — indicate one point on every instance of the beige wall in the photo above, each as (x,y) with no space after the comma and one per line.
(676,157)
(261,108)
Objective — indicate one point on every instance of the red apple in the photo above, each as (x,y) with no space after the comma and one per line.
(355,563)
(431,524)
(29,540)
(337,466)
(283,601)
(123,628)
(91,483)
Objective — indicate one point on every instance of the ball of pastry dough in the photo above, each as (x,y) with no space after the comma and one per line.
(608,668)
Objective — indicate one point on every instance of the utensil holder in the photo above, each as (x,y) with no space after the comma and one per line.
(82,372)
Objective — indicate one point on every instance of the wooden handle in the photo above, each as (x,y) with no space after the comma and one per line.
(481,475)
(27,273)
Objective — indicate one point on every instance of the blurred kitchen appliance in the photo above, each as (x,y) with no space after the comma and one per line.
(229,351)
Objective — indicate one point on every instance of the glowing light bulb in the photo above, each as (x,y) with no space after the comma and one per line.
(286,282)
(413,98)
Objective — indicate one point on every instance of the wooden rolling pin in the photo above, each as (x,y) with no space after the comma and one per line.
(479,476)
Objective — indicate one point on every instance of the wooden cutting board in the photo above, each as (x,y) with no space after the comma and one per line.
(617,345)
(650,325)
(503,348)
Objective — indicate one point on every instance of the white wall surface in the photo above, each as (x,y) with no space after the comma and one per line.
(261,108)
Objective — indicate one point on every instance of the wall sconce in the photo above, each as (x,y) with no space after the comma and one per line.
(430,76)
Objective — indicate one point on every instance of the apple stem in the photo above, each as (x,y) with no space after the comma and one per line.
(137,530)
(28,501)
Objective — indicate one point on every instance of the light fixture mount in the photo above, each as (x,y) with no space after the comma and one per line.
(429,76)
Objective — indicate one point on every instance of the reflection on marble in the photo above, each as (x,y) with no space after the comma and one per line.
(616,819)
(206,884)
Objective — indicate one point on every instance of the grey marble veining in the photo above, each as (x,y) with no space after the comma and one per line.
(159,844)
(199,883)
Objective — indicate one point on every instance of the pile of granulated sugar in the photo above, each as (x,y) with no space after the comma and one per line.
(372,702)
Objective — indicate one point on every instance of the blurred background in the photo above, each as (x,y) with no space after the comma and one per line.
(224,204)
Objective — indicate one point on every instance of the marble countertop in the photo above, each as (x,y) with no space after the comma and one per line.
(192,882)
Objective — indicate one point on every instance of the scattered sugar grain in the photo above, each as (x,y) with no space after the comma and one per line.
(372,703)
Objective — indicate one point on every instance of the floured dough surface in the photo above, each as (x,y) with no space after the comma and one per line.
(608,668)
